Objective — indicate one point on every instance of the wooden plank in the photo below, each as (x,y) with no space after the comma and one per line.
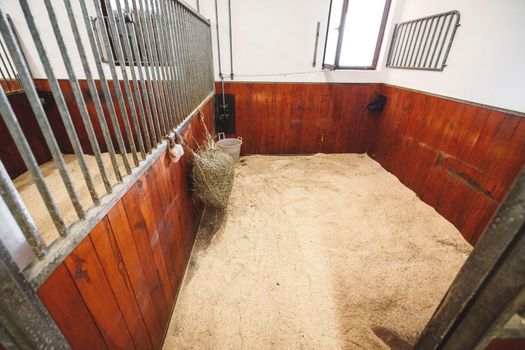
(124,237)
(115,269)
(142,242)
(64,302)
(90,279)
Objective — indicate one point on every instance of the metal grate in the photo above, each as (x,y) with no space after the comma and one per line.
(8,72)
(423,43)
(139,105)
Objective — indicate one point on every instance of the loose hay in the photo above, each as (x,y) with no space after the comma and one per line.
(213,172)
(213,177)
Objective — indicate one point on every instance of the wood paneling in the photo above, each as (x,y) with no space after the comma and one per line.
(459,158)
(295,118)
(118,287)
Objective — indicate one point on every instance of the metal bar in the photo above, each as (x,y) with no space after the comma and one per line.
(150,24)
(95,49)
(17,40)
(161,28)
(141,115)
(437,41)
(145,46)
(176,62)
(410,29)
(426,42)
(155,134)
(63,110)
(36,106)
(430,45)
(186,60)
(120,57)
(116,81)
(392,46)
(191,52)
(231,37)
(416,41)
(502,238)
(7,81)
(172,58)
(183,63)
(28,158)
(93,90)
(77,92)
(402,37)
(444,40)
(22,217)
(456,26)
(218,40)
(8,59)
(409,48)
(419,44)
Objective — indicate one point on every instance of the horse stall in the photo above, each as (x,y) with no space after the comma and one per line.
(218,174)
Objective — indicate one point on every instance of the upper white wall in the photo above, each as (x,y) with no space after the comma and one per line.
(274,37)
(487,59)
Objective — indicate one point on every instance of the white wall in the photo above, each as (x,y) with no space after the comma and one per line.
(487,59)
(273,37)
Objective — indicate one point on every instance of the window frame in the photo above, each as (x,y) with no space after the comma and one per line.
(340,34)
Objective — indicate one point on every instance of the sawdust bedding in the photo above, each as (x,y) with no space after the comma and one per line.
(316,252)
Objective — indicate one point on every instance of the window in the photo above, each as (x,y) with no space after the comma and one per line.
(354,34)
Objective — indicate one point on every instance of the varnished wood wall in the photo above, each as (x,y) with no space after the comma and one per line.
(460,158)
(118,287)
(295,118)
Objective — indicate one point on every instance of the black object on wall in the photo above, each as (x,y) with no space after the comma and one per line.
(378,104)
(225,113)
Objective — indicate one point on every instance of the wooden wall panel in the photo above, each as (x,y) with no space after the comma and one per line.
(302,118)
(118,287)
(459,158)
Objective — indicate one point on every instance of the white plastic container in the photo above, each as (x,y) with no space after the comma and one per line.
(231,147)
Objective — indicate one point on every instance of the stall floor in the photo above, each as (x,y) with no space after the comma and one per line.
(316,252)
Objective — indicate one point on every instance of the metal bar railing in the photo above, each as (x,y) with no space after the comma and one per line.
(164,51)
(420,43)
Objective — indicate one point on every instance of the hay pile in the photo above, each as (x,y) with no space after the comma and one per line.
(213,176)
(213,172)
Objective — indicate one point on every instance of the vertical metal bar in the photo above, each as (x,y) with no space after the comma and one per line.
(413,49)
(7,81)
(138,48)
(161,27)
(95,49)
(93,90)
(189,44)
(131,64)
(402,37)
(420,43)
(444,39)
(426,42)
(34,101)
(183,66)
(404,54)
(63,110)
(30,162)
(116,87)
(8,59)
(120,57)
(145,46)
(431,41)
(392,46)
(172,57)
(437,40)
(77,92)
(231,37)
(10,195)
(17,41)
(218,40)
(445,56)
(150,24)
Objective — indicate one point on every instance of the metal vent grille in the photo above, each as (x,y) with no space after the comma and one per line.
(423,43)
